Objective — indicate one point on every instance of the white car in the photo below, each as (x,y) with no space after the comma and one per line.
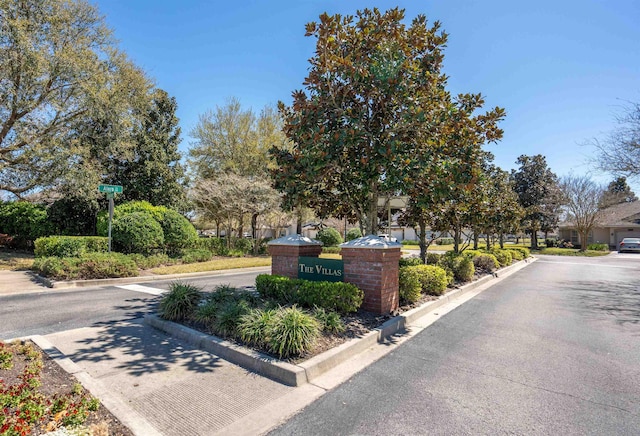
(630,245)
(388,238)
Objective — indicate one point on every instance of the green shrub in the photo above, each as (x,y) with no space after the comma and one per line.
(228,317)
(243,245)
(460,266)
(338,296)
(331,250)
(329,321)
(217,246)
(148,262)
(444,241)
(410,261)
(87,266)
(486,262)
(504,257)
(523,250)
(278,288)
(254,326)
(137,232)
(178,232)
(292,332)
(598,247)
(73,215)
(433,279)
(463,269)
(551,242)
(409,284)
(410,242)
(515,254)
(70,246)
(354,233)
(329,237)
(196,255)
(433,258)
(181,302)
(25,221)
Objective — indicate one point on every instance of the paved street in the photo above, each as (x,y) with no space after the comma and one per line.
(56,310)
(554,349)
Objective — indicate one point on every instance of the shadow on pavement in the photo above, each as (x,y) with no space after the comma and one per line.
(138,348)
(607,299)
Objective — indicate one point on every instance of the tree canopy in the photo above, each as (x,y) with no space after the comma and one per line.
(582,198)
(60,68)
(538,194)
(618,191)
(619,153)
(375,116)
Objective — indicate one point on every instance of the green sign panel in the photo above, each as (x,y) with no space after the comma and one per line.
(117,189)
(320,270)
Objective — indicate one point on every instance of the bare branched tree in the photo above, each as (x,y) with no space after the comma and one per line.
(582,200)
(619,152)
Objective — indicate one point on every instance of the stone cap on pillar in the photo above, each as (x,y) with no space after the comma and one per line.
(294,240)
(371,241)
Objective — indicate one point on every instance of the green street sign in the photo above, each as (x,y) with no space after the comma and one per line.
(115,189)
(315,269)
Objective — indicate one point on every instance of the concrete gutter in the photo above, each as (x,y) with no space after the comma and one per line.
(146,279)
(305,372)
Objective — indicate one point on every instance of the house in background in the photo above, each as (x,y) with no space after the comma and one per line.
(614,223)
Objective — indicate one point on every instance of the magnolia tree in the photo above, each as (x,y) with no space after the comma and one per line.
(374,119)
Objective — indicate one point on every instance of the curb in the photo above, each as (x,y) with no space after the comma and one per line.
(125,414)
(144,279)
(304,372)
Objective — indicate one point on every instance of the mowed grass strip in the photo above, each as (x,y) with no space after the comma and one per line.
(15,260)
(214,265)
(554,251)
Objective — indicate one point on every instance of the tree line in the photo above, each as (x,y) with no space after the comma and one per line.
(374,120)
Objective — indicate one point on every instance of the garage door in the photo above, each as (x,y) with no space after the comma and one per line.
(621,234)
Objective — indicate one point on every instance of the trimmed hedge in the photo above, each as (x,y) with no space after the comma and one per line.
(504,257)
(338,296)
(486,262)
(24,221)
(178,232)
(137,232)
(409,284)
(329,237)
(353,233)
(86,266)
(433,279)
(70,246)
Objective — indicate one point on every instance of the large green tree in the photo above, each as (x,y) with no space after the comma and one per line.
(374,114)
(60,67)
(151,169)
(231,139)
(538,193)
(618,191)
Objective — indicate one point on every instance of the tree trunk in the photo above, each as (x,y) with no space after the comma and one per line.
(372,218)
(583,241)
(476,240)
(422,236)
(456,237)
(501,240)
(534,238)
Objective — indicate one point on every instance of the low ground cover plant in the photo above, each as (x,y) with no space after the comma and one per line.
(86,266)
(27,407)
(70,246)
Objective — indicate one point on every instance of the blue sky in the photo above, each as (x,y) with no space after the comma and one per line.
(562,69)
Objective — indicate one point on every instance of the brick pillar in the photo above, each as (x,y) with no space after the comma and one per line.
(372,264)
(286,250)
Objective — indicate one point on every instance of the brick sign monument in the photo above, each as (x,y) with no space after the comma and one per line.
(370,263)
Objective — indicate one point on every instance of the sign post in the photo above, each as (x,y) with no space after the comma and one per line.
(110,190)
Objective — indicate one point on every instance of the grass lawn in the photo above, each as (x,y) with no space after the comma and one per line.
(330,256)
(571,252)
(214,265)
(11,260)
(432,247)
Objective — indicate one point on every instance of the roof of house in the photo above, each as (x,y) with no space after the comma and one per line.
(618,215)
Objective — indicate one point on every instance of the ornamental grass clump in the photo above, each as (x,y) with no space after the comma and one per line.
(329,320)
(181,302)
(228,317)
(292,333)
(253,327)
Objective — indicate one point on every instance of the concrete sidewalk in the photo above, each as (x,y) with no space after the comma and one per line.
(12,282)
(158,384)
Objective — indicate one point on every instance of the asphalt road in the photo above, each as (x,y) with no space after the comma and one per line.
(59,310)
(553,349)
